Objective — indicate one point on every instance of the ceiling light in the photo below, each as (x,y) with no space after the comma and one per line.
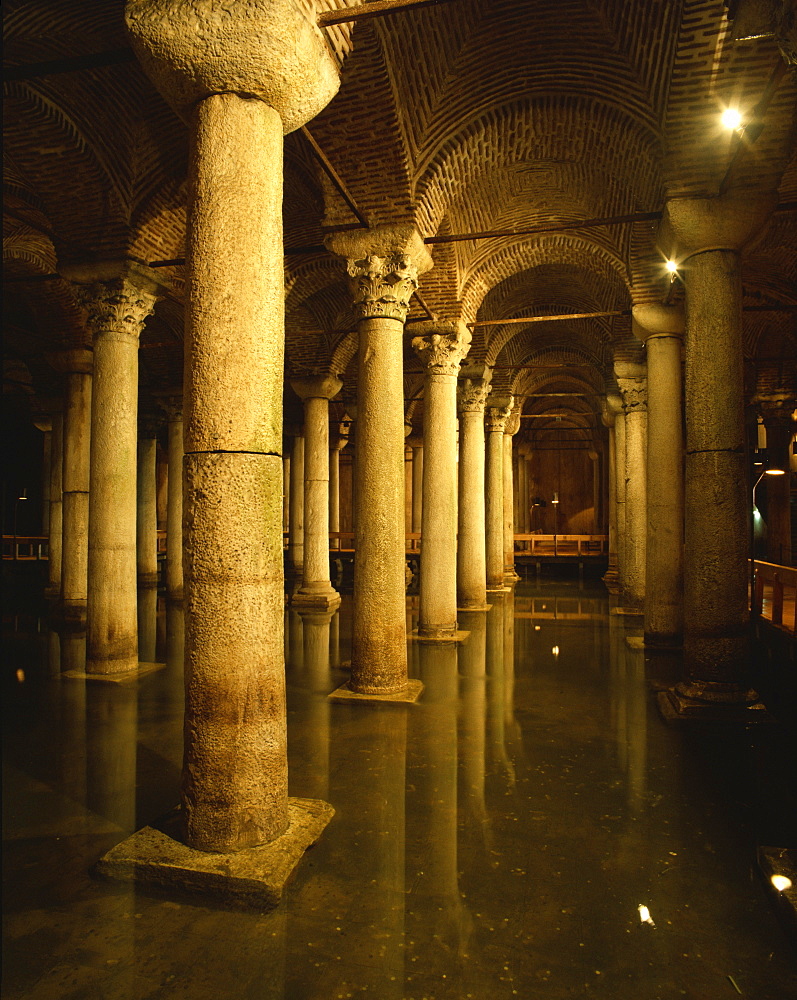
(731,119)
(781,882)
(671,266)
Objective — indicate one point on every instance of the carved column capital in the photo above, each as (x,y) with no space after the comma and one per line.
(72,360)
(116,296)
(442,346)
(654,319)
(383,266)
(316,386)
(497,413)
(634,393)
(513,422)
(696,225)
(472,394)
(172,404)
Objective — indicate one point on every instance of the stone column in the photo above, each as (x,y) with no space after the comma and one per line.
(704,236)
(594,457)
(471,549)
(523,489)
(241,81)
(441,347)
(611,406)
(77,365)
(45,425)
(416,443)
(316,590)
(511,429)
(776,410)
(173,406)
(632,382)
(296,507)
(54,560)
(117,297)
(495,417)
(661,329)
(146,504)
(383,265)
(337,445)
(620,486)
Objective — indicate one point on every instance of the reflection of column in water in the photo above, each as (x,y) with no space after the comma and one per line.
(147,623)
(294,637)
(636,695)
(472,666)
(334,640)
(617,682)
(372,870)
(72,704)
(53,654)
(73,651)
(511,726)
(495,684)
(175,637)
(111,729)
(315,626)
(161,630)
(440,928)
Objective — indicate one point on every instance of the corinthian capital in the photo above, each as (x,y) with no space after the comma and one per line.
(513,422)
(118,306)
(497,413)
(634,392)
(442,346)
(383,266)
(472,394)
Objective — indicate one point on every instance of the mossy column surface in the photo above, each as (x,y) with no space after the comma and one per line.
(241,76)
(76,364)
(316,590)
(117,297)
(705,236)
(441,347)
(496,415)
(472,394)
(661,328)
(383,265)
(632,382)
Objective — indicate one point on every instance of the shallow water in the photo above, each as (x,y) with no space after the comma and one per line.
(494,840)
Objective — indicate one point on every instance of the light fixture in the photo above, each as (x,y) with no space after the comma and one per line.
(555,498)
(23,495)
(756,514)
(781,882)
(731,119)
(555,650)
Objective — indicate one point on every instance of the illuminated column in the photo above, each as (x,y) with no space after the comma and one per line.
(632,382)
(383,266)
(316,590)
(76,364)
(296,505)
(705,236)
(54,564)
(661,328)
(441,347)
(495,417)
(117,297)
(523,489)
(610,407)
(173,406)
(472,395)
(241,79)
(337,445)
(619,496)
(416,443)
(146,506)
(512,427)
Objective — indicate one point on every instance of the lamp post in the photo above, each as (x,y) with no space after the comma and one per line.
(766,472)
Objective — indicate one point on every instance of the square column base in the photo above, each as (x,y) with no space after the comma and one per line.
(409,695)
(676,709)
(457,636)
(252,878)
(323,601)
(126,677)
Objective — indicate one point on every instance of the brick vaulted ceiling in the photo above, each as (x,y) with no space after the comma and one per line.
(475,116)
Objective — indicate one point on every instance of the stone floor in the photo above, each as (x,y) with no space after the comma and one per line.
(495,840)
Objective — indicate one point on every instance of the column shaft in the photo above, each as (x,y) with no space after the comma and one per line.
(495,420)
(635,507)
(75,523)
(619,493)
(417,488)
(296,503)
(471,550)
(147,511)
(54,563)
(174,508)
(509,504)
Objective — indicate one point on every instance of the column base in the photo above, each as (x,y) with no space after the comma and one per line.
(315,600)
(252,878)
(611,580)
(707,701)
(627,612)
(410,694)
(71,616)
(511,576)
(417,635)
(499,590)
(121,677)
(474,607)
(144,580)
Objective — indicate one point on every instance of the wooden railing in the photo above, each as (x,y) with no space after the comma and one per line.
(776,594)
(561,545)
(25,548)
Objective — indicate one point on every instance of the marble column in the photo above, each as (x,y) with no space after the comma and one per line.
(661,329)
(173,406)
(77,365)
(705,237)
(441,347)
(510,430)
(316,590)
(241,81)
(296,507)
(416,443)
(383,266)
(632,382)
(54,559)
(611,406)
(776,410)
(286,481)
(117,297)
(496,415)
(523,505)
(472,395)
(338,443)
(146,504)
